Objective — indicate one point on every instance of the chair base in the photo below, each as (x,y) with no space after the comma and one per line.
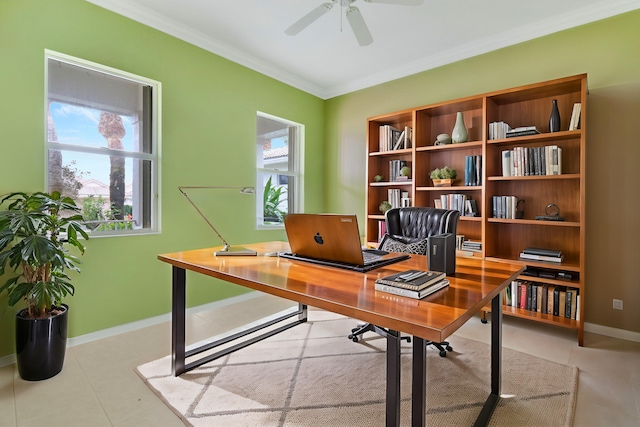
(443,347)
(356,335)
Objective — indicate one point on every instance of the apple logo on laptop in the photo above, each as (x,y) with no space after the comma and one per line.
(318,239)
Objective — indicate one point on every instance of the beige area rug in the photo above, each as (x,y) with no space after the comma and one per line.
(312,375)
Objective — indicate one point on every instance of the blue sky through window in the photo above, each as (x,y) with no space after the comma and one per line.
(79,126)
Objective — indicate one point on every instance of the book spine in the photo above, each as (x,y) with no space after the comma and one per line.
(544,252)
(556,302)
(541,258)
(397,291)
(409,286)
(523,295)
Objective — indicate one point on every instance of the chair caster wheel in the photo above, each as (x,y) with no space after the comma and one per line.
(483,320)
(409,340)
(354,339)
(443,353)
(449,348)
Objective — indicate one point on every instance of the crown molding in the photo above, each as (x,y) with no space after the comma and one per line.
(602,10)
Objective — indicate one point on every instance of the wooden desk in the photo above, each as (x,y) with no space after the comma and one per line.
(352,294)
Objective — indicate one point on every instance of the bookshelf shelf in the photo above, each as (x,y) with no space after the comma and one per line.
(502,239)
(535,222)
(390,183)
(452,189)
(460,146)
(535,177)
(471,218)
(391,153)
(541,317)
(572,283)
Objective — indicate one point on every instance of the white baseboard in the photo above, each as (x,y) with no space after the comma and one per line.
(116,330)
(623,334)
(7,360)
(128,327)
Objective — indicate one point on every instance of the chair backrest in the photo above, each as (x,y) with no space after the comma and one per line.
(414,224)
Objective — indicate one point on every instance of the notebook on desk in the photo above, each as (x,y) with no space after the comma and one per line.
(333,240)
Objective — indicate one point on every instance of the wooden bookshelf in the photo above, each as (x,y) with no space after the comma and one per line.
(502,239)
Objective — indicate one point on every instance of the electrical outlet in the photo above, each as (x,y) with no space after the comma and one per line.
(617,304)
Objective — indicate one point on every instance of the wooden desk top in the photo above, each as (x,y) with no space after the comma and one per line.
(352,293)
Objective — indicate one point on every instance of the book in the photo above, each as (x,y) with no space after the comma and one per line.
(545,252)
(408,136)
(575,116)
(562,300)
(522,288)
(464,253)
(550,293)
(568,302)
(412,294)
(524,131)
(541,257)
(400,142)
(414,280)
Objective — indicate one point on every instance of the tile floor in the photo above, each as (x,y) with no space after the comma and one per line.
(98,385)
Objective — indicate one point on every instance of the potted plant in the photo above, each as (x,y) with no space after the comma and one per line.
(273,197)
(36,259)
(444,177)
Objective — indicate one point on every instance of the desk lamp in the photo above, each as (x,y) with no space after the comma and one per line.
(227,249)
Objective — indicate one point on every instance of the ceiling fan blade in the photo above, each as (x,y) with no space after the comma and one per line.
(359,27)
(308,19)
(400,2)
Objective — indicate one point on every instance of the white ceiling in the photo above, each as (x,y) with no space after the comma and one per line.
(325,58)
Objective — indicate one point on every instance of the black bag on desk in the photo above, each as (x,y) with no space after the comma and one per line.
(441,253)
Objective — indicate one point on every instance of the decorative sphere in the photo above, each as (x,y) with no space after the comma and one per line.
(405,171)
(378,178)
(384,206)
(443,139)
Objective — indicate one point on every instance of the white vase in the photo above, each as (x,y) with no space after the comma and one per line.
(459,133)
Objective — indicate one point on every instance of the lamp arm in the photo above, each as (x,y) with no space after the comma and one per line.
(226,245)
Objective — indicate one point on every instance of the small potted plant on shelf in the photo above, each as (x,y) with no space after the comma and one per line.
(384,206)
(35,258)
(444,177)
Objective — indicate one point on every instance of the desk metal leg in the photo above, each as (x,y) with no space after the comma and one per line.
(419,383)
(393,378)
(496,363)
(243,338)
(178,304)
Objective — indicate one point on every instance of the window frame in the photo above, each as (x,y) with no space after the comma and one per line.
(297,173)
(155,127)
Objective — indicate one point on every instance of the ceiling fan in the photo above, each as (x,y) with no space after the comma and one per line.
(352,13)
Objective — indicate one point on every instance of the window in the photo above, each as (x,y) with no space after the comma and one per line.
(279,173)
(103,144)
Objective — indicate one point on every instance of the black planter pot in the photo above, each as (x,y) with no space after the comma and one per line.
(41,345)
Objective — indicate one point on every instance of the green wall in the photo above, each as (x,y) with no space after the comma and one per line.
(209,107)
(209,110)
(608,51)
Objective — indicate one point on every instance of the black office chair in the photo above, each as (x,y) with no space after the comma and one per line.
(407,231)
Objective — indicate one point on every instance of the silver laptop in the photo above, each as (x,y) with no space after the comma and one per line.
(334,240)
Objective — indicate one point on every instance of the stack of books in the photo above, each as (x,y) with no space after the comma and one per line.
(472,245)
(522,131)
(413,283)
(563,301)
(537,254)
